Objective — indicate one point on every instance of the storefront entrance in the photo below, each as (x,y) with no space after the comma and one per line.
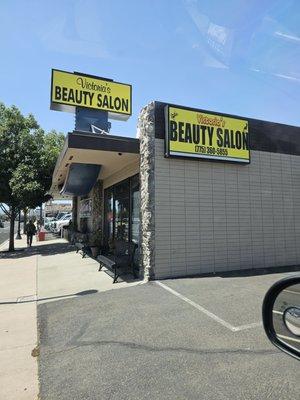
(121,208)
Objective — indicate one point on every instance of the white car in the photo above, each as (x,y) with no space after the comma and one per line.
(47,221)
(56,226)
(59,217)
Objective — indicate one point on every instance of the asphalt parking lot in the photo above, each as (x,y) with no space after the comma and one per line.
(198,338)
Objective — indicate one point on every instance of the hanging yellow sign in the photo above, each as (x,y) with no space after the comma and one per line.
(197,134)
(78,90)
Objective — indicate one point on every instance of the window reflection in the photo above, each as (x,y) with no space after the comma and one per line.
(135,209)
(122,209)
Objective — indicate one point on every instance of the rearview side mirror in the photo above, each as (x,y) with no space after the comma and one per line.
(281,315)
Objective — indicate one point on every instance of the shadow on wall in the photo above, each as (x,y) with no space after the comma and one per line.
(43,250)
(244,273)
(260,271)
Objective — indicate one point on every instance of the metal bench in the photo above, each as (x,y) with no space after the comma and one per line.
(122,257)
(82,248)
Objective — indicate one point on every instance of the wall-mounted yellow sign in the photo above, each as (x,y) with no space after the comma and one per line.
(197,134)
(70,90)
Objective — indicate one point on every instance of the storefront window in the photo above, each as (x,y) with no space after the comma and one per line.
(122,207)
(135,209)
(109,215)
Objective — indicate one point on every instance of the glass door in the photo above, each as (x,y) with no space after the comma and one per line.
(122,211)
(108,216)
(135,209)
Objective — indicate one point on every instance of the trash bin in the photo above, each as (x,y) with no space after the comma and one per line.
(41,236)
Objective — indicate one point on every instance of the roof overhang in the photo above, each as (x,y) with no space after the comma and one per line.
(87,157)
(80,179)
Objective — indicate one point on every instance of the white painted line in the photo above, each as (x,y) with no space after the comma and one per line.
(247,326)
(277,312)
(197,306)
(291,291)
(208,313)
(288,338)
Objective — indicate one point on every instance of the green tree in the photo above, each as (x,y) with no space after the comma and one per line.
(27,160)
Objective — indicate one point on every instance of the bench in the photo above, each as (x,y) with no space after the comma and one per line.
(82,247)
(122,257)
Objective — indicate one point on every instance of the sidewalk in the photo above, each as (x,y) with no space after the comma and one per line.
(18,333)
(63,273)
(49,271)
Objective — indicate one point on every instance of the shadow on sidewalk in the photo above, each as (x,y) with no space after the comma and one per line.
(32,300)
(43,250)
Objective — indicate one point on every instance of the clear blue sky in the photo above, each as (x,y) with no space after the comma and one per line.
(235,56)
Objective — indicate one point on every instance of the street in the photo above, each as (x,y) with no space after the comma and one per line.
(4,232)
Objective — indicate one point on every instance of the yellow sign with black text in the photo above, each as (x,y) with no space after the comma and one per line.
(78,90)
(197,134)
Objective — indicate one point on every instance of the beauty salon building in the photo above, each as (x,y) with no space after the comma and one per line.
(199,192)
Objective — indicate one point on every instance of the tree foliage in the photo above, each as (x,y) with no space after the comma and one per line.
(15,132)
(27,159)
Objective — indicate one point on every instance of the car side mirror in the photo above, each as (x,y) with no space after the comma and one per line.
(281,315)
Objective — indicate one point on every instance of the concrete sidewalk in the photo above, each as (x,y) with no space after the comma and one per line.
(18,327)
(48,271)
(63,273)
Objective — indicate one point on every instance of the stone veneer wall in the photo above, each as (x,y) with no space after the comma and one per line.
(95,221)
(97,206)
(146,133)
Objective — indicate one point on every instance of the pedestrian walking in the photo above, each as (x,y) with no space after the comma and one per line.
(30,231)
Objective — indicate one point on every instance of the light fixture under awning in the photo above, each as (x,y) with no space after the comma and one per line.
(80,179)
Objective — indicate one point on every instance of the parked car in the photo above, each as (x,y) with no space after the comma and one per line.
(59,216)
(57,226)
(47,221)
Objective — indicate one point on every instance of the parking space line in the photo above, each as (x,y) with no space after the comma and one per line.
(208,313)
(289,338)
(247,326)
(197,306)
(291,291)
